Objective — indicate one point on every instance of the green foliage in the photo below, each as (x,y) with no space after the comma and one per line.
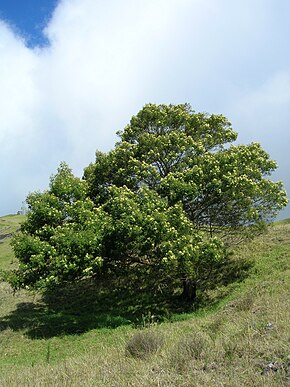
(60,240)
(162,205)
(184,156)
(145,230)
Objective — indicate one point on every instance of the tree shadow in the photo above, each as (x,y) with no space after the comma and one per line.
(85,305)
(109,302)
(225,273)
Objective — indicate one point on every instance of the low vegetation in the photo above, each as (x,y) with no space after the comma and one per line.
(89,335)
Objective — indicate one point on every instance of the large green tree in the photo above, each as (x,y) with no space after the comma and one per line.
(66,237)
(163,203)
(188,158)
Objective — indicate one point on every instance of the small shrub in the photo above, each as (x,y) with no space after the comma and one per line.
(144,343)
(230,348)
(215,325)
(195,346)
(146,321)
(243,304)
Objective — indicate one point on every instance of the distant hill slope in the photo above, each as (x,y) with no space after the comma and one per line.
(8,225)
(283,221)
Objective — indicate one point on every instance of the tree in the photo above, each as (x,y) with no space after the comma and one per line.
(163,204)
(60,239)
(67,238)
(186,157)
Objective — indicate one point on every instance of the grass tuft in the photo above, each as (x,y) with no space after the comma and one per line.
(189,348)
(144,344)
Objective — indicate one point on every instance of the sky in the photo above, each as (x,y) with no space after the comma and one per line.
(73,73)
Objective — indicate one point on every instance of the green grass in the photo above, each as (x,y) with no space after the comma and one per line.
(80,335)
(8,225)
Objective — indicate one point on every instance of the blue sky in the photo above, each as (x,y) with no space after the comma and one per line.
(73,72)
(28,18)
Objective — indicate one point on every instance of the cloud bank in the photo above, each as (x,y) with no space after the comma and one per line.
(107,59)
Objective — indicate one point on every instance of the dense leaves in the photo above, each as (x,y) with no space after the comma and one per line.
(164,203)
(185,157)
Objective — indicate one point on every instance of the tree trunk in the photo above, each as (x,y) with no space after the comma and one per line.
(189,289)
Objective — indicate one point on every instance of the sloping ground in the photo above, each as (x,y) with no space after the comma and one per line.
(243,340)
(8,225)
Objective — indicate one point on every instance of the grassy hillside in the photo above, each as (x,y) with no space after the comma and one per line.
(242,339)
(8,225)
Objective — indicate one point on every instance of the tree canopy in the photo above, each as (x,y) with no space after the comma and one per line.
(165,202)
(188,158)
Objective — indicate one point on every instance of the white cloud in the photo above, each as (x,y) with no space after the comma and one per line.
(97,68)
(18,92)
